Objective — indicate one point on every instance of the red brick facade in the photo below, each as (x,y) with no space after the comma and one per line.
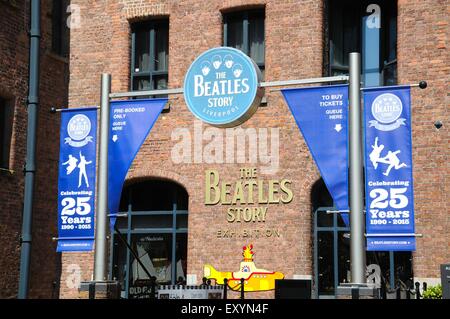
(14,52)
(294,49)
(423,54)
(294,43)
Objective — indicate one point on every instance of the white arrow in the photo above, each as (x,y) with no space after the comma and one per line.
(338,127)
(115,138)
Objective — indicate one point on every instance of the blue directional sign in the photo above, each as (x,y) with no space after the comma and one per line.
(388,158)
(321,115)
(130,123)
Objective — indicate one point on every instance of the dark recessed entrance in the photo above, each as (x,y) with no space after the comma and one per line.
(154,219)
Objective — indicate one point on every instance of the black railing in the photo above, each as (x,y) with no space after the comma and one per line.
(403,291)
(225,288)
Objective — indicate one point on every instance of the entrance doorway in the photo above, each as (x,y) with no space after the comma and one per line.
(153,221)
(332,252)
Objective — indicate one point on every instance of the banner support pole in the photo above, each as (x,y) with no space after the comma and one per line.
(357,244)
(100,259)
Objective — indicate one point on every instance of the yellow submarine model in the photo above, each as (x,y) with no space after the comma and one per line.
(254,279)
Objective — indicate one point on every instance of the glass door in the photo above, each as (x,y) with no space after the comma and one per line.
(331,252)
(150,242)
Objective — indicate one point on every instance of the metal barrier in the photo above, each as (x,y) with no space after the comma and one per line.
(151,290)
(190,292)
(403,291)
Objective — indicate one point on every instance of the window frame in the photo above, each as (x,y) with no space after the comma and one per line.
(387,10)
(334,229)
(245,15)
(151,26)
(127,230)
(6,130)
(60,37)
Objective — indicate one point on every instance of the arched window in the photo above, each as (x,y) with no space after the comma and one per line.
(153,222)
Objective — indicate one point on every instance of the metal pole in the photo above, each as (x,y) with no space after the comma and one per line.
(225,288)
(100,261)
(391,269)
(338,78)
(357,245)
(33,103)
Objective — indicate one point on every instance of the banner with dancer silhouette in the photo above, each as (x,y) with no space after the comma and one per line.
(388,165)
(76,184)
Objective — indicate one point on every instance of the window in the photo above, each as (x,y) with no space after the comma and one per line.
(245,31)
(150,55)
(332,252)
(368,27)
(60,30)
(6,121)
(155,226)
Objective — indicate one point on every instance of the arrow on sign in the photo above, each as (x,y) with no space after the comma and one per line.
(115,138)
(338,127)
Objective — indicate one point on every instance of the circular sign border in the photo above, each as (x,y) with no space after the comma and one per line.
(380,97)
(257,96)
(79,115)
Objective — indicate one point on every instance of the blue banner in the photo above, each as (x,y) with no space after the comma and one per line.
(76,184)
(131,121)
(321,115)
(388,164)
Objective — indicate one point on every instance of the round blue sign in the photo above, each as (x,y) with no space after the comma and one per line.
(221,87)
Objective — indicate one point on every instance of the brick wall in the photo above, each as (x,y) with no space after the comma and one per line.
(294,49)
(14,46)
(195,27)
(423,55)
